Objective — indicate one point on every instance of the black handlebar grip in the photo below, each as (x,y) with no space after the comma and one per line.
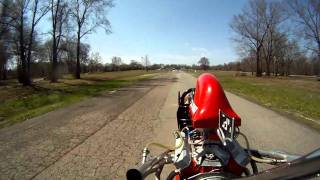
(134,174)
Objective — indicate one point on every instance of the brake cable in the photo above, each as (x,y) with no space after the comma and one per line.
(168,147)
(261,160)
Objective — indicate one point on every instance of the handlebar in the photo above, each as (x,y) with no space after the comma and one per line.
(152,165)
(141,172)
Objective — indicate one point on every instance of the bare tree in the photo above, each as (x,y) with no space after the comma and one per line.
(145,62)
(19,13)
(68,47)
(39,9)
(59,16)
(135,65)
(274,18)
(95,62)
(115,63)
(252,26)
(307,14)
(4,38)
(89,15)
(292,53)
(204,63)
(18,10)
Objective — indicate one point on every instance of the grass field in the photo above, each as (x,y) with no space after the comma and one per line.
(20,103)
(298,97)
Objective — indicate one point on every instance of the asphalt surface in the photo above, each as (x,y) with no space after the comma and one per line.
(100,138)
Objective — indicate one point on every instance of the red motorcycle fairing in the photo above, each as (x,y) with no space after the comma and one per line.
(209,98)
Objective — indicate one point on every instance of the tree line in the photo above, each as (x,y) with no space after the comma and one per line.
(21,44)
(272,37)
(279,37)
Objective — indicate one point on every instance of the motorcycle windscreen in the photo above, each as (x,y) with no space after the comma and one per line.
(209,98)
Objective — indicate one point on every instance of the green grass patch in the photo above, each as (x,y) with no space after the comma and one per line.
(298,97)
(20,103)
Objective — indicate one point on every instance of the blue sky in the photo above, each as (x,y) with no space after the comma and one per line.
(169,31)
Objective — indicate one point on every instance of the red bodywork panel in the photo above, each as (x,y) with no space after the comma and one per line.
(209,97)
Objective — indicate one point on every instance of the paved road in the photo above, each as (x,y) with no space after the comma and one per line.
(101,137)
